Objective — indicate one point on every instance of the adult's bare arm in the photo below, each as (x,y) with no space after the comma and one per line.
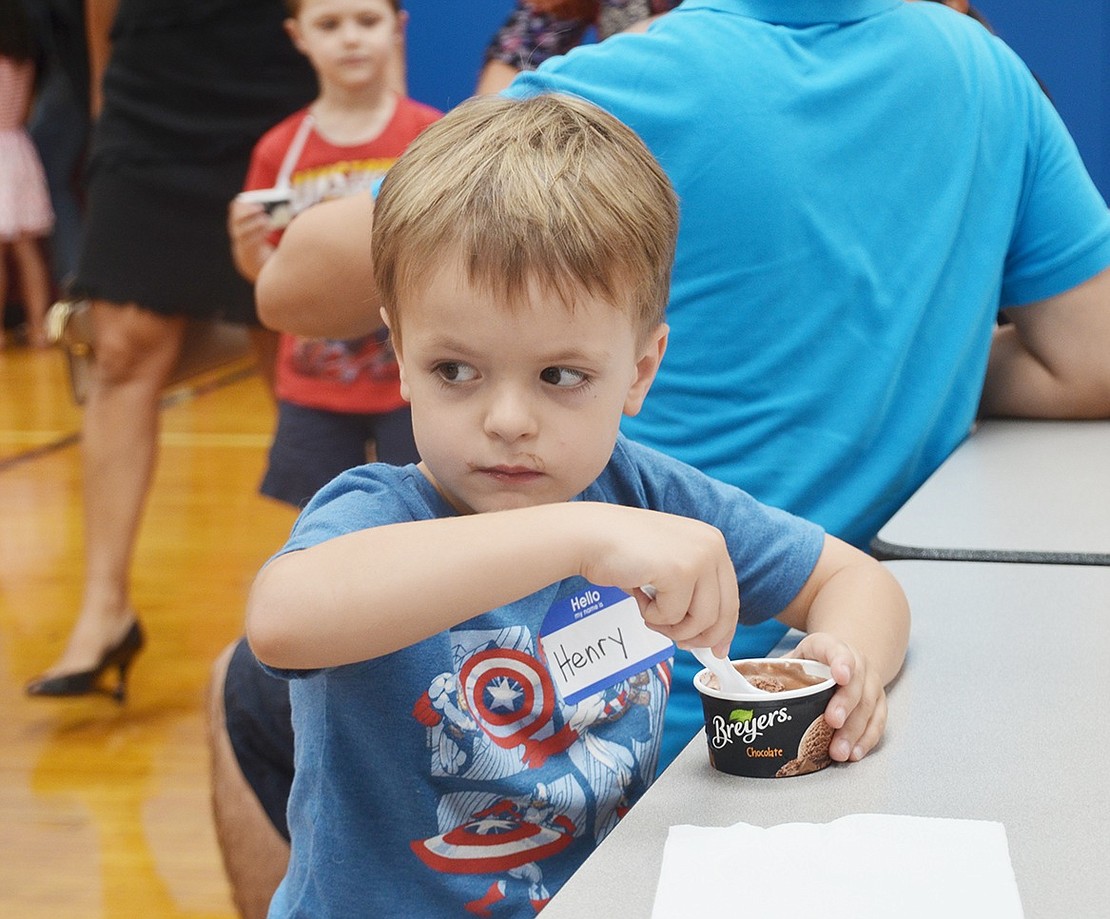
(494,77)
(319,281)
(99,15)
(1053,359)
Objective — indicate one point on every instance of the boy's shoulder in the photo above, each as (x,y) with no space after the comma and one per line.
(630,454)
(641,476)
(281,134)
(628,451)
(375,494)
(417,113)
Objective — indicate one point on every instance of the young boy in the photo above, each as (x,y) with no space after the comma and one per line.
(432,618)
(334,396)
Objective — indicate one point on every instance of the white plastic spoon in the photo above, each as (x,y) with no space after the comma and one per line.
(731,679)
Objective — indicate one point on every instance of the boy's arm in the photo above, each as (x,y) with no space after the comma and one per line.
(1053,359)
(858,621)
(375,591)
(319,282)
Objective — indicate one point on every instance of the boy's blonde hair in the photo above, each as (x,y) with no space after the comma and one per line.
(549,190)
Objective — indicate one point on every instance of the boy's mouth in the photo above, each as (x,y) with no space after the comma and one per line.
(511,474)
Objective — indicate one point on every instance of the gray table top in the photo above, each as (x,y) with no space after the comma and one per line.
(977,729)
(1015,490)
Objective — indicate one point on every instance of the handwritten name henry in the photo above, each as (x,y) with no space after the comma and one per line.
(576,659)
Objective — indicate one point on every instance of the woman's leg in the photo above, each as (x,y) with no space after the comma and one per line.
(3,287)
(134,352)
(34,280)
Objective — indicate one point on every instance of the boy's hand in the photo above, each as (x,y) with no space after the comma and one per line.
(857,711)
(686,562)
(248,225)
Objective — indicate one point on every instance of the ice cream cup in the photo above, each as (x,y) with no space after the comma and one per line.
(277,202)
(768,735)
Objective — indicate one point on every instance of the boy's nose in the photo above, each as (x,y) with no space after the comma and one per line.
(509,415)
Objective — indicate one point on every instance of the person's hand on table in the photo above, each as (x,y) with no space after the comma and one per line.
(857,711)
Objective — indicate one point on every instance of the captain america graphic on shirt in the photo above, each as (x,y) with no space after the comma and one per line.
(497,716)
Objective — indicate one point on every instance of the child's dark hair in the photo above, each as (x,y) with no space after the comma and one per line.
(17,41)
(293,7)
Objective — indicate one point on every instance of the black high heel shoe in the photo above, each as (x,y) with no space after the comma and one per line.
(86,682)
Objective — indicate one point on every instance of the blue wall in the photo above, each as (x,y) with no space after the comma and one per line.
(446,40)
(1065,42)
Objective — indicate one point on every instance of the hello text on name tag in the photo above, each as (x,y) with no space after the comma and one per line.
(596,638)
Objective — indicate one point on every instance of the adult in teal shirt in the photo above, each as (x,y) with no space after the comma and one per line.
(863,183)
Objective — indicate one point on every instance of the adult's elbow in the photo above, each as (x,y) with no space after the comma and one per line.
(267,631)
(276,309)
(1091,386)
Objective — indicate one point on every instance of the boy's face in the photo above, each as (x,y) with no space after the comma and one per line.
(518,408)
(349,42)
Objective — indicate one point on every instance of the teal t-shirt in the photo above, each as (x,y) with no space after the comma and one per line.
(863,183)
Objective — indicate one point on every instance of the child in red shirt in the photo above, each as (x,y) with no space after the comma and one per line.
(335,397)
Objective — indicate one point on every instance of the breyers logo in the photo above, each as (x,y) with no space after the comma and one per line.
(744,726)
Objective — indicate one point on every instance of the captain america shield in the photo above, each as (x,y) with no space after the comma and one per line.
(492,843)
(509,693)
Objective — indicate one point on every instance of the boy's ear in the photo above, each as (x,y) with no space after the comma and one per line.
(646,368)
(398,355)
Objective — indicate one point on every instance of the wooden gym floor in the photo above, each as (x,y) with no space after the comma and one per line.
(104,809)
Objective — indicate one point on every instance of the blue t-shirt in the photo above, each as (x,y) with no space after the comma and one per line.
(452,772)
(863,183)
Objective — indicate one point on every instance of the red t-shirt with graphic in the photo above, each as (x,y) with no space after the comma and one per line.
(356,375)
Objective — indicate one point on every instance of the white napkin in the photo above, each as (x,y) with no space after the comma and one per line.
(857,867)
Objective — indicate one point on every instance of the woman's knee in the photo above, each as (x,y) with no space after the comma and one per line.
(131,343)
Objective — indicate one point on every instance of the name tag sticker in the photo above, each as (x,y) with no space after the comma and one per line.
(596,638)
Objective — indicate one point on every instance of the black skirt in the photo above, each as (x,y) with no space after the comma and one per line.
(149,244)
(188,91)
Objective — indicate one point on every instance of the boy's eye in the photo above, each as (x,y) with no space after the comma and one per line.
(455,372)
(562,376)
